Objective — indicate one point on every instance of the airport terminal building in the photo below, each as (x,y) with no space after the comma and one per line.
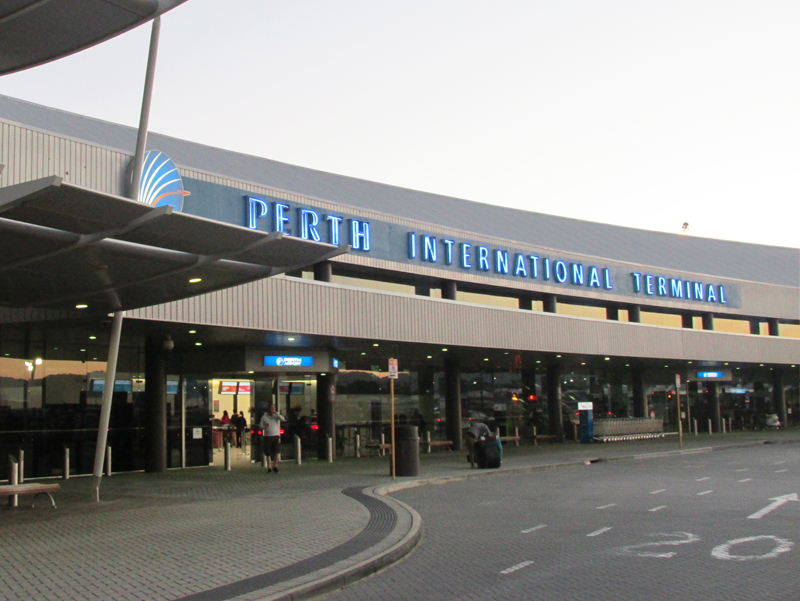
(493,313)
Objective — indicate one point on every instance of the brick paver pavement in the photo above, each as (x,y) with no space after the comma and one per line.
(168,536)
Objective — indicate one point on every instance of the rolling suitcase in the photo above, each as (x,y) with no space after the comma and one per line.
(487,455)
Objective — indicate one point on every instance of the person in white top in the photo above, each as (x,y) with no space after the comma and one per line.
(271,437)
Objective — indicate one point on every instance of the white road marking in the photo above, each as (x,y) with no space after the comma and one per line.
(745,480)
(706,478)
(776,502)
(705,492)
(607,506)
(779,463)
(659,508)
(519,566)
(599,532)
(539,527)
(724,551)
(783,470)
(746,469)
(655,492)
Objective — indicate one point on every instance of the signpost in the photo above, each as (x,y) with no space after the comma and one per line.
(678,400)
(392,378)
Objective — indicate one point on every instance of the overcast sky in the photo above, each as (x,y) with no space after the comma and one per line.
(642,113)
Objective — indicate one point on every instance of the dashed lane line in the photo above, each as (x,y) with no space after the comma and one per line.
(702,479)
(659,508)
(655,492)
(599,532)
(705,492)
(745,480)
(529,530)
(607,506)
(746,469)
(783,470)
(519,566)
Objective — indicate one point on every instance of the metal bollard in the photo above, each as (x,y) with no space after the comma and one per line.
(383,442)
(330,449)
(428,440)
(13,478)
(575,433)
(516,434)
(724,428)
(108,461)
(21,467)
(695,426)
(358,445)
(298,450)
(535,440)
(710,430)
(227,456)
(66,463)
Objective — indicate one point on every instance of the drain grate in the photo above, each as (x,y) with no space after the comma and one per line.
(382,520)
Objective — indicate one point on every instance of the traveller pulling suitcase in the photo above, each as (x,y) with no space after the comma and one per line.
(487,455)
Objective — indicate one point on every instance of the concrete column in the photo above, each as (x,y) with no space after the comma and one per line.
(452,402)
(639,397)
(323,272)
(449,289)
(553,378)
(612,312)
(427,401)
(687,321)
(618,402)
(755,327)
(778,398)
(526,303)
(422,290)
(155,395)
(634,314)
(712,390)
(326,418)
(549,303)
(774,329)
(708,321)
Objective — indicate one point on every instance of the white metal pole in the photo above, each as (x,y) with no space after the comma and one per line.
(13,478)
(144,117)
(21,467)
(182,395)
(695,427)
(227,456)
(108,461)
(298,450)
(710,429)
(358,445)
(105,408)
(330,449)
(535,440)
(66,463)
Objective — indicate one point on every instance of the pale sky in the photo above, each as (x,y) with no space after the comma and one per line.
(642,113)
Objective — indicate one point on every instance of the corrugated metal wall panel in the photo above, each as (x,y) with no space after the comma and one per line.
(307,307)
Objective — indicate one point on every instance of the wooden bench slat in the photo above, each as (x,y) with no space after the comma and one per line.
(28,489)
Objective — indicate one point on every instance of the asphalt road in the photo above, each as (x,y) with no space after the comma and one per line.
(719,525)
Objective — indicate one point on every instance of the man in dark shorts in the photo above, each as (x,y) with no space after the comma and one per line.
(271,437)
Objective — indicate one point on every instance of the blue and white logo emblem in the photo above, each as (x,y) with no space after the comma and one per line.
(161,184)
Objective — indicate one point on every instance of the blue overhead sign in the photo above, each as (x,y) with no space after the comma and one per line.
(282,361)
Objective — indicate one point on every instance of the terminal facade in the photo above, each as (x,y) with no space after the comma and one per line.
(493,313)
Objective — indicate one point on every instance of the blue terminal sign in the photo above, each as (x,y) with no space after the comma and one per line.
(282,361)
(394,242)
(710,375)
(477,257)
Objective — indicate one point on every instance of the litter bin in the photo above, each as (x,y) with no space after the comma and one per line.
(406,451)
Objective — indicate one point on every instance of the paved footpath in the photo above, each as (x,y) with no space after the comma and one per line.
(205,534)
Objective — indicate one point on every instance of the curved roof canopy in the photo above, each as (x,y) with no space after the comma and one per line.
(62,246)
(34,32)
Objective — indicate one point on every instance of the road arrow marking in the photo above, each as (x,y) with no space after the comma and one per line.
(776,502)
